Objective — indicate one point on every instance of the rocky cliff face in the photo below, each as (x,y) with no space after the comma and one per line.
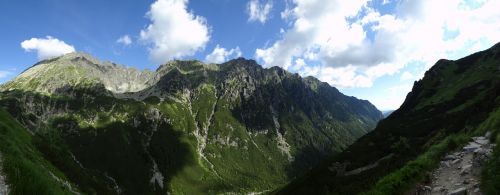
(186,128)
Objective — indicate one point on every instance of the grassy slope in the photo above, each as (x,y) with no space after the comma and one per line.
(416,170)
(26,169)
(455,97)
(403,179)
(490,177)
(85,135)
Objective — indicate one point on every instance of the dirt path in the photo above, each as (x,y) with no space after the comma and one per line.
(459,172)
(4,188)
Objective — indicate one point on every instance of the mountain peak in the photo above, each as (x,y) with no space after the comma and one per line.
(237,116)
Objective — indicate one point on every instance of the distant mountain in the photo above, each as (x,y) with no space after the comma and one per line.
(387,113)
(186,128)
(454,101)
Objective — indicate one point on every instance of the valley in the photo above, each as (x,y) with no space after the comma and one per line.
(223,128)
(250,97)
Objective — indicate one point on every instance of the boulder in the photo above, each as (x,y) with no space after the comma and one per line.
(471,147)
(481,140)
(447,164)
(450,157)
(437,189)
(466,169)
(456,161)
(480,156)
(459,191)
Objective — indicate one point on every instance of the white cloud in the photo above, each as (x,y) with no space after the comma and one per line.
(47,47)
(220,54)
(174,32)
(334,37)
(259,11)
(125,40)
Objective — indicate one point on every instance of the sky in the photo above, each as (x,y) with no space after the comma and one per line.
(370,49)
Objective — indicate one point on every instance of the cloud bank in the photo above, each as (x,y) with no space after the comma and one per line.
(352,43)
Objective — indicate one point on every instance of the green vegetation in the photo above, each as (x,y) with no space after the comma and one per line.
(454,100)
(26,169)
(490,178)
(403,179)
(490,175)
(188,128)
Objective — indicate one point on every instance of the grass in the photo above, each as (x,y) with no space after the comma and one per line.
(490,175)
(27,171)
(403,179)
(107,136)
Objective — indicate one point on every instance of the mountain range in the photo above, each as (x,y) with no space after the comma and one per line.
(74,124)
(81,125)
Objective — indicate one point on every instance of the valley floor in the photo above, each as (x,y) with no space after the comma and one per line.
(459,172)
(4,188)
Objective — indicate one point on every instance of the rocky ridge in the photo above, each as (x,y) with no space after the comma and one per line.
(225,128)
(56,74)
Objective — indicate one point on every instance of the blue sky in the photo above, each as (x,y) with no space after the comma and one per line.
(371,49)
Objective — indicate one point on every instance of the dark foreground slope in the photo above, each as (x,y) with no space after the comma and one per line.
(454,100)
(187,128)
(25,168)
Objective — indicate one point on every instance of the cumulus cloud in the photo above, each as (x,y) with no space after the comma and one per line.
(174,32)
(220,54)
(259,11)
(125,40)
(352,44)
(47,47)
